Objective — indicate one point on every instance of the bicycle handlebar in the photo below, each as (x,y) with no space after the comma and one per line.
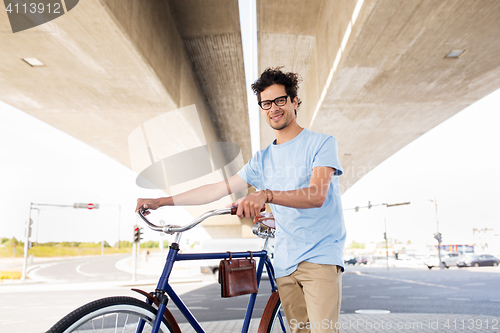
(171,229)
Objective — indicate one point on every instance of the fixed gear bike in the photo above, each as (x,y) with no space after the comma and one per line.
(128,314)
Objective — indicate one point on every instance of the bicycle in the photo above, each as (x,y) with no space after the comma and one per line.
(128,314)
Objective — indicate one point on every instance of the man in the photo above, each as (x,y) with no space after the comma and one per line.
(297,176)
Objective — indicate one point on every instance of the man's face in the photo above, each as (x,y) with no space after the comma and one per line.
(278,117)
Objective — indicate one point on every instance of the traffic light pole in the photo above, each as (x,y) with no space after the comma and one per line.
(136,249)
(26,243)
(38,206)
(387,205)
(134,258)
(438,235)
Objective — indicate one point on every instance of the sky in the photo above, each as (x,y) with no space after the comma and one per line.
(457,163)
(41,164)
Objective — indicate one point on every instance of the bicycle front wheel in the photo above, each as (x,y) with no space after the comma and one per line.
(274,319)
(112,314)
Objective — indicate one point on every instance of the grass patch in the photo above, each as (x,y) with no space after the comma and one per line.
(10,275)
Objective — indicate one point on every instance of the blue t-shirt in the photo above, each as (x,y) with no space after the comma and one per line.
(318,234)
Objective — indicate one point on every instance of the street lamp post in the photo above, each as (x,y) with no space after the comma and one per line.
(437,236)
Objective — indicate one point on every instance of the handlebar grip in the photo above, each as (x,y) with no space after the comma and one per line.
(235,208)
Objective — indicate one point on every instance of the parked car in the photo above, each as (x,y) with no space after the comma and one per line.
(450,259)
(447,259)
(362,260)
(351,261)
(431,261)
(477,260)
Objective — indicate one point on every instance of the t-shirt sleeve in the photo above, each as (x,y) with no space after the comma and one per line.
(252,171)
(328,156)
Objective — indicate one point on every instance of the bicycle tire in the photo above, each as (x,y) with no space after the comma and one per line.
(273,318)
(109,314)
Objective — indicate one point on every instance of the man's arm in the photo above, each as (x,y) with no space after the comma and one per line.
(197,196)
(310,197)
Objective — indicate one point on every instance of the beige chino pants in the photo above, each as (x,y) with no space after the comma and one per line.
(311,297)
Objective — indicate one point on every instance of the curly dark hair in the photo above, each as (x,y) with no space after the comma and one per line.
(276,76)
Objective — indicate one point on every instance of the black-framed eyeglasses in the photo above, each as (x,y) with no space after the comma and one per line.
(279,101)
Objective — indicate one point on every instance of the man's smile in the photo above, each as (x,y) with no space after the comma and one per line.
(277,117)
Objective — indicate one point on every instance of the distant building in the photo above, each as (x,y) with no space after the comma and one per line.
(486,241)
(460,248)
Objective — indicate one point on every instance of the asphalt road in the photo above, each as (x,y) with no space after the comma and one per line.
(399,290)
(35,307)
(457,291)
(83,269)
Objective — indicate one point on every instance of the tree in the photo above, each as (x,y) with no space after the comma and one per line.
(356,245)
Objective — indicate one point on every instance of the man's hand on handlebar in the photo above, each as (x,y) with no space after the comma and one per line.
(251,205)
(147,204)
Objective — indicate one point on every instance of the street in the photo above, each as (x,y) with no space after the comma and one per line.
(34,307)
(458,291)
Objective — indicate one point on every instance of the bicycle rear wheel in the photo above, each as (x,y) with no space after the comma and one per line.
(112,314)
(274,319)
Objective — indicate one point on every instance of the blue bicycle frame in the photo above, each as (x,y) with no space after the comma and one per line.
(164,287)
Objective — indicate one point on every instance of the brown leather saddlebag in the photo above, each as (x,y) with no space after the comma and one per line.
(237,276)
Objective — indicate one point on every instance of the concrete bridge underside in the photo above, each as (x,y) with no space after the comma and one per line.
(374,72)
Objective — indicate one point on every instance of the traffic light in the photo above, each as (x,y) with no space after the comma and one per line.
(369,204)
(438,237)
(385,235)
(137,234)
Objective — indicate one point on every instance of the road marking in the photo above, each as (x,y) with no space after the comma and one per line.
(444,293)
(348,296)
(243,309)
(458,299)
(198,308)
(494,300)
(407,281)
(416,297)
(408,287)
(475,284)
(78,269)
(380,296)
(372,311)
